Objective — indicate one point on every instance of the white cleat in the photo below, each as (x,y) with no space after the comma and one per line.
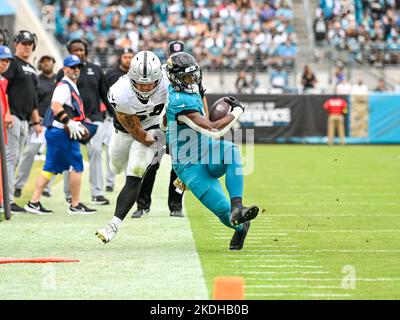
(108,233)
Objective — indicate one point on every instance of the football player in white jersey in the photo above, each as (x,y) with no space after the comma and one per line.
(138,99)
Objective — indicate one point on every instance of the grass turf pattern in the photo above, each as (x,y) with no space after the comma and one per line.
(331,228)
(331,231)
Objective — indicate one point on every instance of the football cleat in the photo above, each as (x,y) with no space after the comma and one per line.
(17,193)
(243,214)
(176,213)
(108,233)
(238,238)
(140,213)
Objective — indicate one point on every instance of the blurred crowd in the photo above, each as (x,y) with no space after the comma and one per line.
(221,34)
(369,32)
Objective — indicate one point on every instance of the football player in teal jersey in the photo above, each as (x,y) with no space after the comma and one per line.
(199,158)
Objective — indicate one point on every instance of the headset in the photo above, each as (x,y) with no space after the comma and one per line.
(4,37)
(20,36)
(84,42)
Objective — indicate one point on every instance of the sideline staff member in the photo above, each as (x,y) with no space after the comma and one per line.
(45,88)
(22,98)
(92,85)
(63,149)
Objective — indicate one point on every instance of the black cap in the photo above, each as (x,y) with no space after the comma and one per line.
(175,46)
(46,57)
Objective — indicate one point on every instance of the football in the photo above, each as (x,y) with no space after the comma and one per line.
(219,109)
(85,135)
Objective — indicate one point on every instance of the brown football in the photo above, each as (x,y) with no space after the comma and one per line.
(86,133)
(219,109)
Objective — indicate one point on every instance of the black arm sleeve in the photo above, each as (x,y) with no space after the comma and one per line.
(103,92)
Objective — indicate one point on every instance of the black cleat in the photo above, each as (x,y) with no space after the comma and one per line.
(140,213)
(238,238)
(176,213)
(109,189)
(240,215)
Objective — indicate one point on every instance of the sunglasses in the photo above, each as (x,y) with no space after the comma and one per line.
(75,67)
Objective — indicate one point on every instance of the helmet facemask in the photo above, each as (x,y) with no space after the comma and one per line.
(189,82)
(145,68)
(144,95)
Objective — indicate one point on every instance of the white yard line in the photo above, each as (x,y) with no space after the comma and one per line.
(322,295)
(344,231)
(275,260)
(283,272)
(272,286)
(328,250)
(322,279)
(299,266)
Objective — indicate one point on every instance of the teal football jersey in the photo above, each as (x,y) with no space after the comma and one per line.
(186,146)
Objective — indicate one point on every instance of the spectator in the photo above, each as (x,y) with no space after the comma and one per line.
(63,149)
(381,87)
(343,87)
(336,108)
(279,78)
(22,97)
(308,79)
(241,84)
(286,53)
(46,84)
(320,32)
(359,88)
(5,60)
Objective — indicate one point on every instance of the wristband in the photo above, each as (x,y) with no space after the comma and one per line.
(36,123)
(60,114)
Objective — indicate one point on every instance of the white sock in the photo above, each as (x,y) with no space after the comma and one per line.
(117,221)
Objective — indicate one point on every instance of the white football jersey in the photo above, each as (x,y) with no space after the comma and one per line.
(124,99)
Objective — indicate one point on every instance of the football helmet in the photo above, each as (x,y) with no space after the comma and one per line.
(183,72)
(145,68)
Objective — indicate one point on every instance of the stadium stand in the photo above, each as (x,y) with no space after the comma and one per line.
(222,34)
(370,33)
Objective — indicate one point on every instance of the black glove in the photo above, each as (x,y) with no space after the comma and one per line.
(201,89)
(233,102)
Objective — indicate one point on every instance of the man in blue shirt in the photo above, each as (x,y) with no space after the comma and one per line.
(198,160)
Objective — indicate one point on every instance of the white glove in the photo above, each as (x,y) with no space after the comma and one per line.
(160,138)
(159,146)
(76,130)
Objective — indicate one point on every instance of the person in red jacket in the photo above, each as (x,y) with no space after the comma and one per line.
(5,60)
(337,108)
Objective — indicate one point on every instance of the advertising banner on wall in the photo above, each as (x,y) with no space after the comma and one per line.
(282,118)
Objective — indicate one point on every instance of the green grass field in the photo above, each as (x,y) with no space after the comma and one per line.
(331,230)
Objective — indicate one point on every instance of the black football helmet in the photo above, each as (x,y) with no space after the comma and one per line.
(183,72)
